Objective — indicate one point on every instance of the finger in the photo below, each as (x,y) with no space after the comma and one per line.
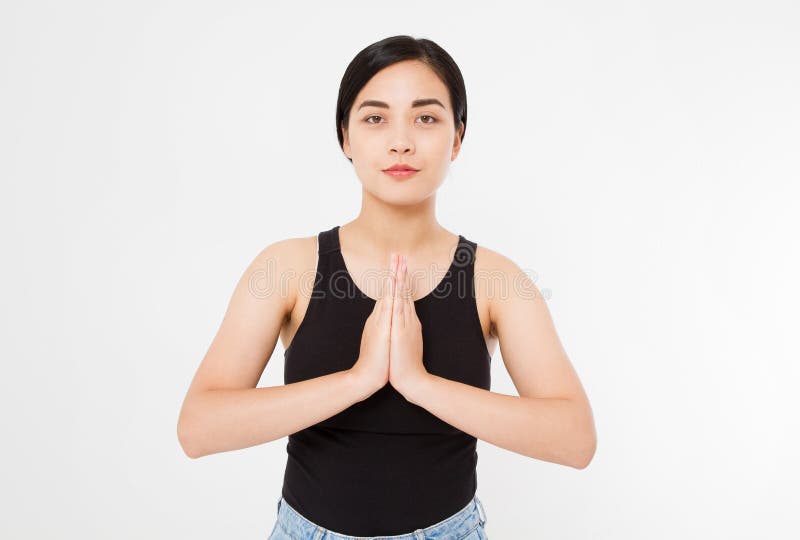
(392,287)
(407,298)
(408,305)
(384,302)
(398,312)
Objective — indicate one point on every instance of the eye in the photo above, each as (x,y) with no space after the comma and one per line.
(433,120)
(371,116)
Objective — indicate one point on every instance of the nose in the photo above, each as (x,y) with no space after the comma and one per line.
(401,143)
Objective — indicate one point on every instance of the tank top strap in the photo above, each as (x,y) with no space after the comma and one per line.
(329,240)
(464,257)
(459,279)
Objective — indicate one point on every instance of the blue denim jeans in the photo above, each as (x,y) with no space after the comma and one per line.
(466,524)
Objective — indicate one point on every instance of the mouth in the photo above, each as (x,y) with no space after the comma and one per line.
(400,173)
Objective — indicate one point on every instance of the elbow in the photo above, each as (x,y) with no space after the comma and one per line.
(187,439)
(585,445)
(586,456)
(584,462)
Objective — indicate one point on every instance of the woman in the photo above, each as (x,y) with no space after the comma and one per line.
(387,379)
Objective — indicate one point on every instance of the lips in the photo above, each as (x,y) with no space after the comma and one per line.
(400,168)
(399,172)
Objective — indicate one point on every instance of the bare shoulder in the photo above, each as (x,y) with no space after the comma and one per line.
(284,268)
(261,302)
(489,259)
(498,278)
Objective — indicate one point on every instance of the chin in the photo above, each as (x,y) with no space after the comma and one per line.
(407,197)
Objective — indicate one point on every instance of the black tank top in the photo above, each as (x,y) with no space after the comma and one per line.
(384,466)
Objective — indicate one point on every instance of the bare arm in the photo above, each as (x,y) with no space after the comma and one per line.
(223,410)
(551,419)
(220,420)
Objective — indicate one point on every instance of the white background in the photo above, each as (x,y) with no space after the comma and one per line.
(640,160)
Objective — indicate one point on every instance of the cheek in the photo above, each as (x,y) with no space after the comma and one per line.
(364,144)
(438,142)
(443,150)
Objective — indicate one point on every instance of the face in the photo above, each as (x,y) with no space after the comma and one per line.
(387,128)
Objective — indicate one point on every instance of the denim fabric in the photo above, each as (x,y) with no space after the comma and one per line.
(466,524)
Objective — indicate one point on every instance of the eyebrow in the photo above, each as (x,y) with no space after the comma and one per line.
(414,104)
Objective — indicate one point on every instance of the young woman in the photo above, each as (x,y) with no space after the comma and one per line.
(387,357)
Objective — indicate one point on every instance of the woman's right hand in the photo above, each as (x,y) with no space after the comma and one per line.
(372,367)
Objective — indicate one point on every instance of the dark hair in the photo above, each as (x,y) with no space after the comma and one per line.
(389,51)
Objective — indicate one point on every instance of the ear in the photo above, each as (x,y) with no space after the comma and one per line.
(457,143)
(346,142)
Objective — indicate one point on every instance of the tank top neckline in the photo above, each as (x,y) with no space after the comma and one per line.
(361,294)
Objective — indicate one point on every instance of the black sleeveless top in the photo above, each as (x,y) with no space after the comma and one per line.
(384,466)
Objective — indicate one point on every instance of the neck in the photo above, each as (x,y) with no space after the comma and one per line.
(393,228)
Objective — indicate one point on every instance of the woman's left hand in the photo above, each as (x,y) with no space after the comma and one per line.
(405,349)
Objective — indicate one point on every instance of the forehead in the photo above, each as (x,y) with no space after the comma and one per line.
(403,82)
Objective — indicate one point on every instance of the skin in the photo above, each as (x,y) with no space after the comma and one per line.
(396,233)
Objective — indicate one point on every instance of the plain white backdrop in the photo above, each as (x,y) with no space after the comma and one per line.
(639,159)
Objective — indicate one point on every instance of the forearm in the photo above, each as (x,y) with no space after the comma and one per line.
(551,429)
(214,421)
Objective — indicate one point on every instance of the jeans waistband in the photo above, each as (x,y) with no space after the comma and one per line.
(458,524)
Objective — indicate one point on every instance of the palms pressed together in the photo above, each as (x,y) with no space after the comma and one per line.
(391,345)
